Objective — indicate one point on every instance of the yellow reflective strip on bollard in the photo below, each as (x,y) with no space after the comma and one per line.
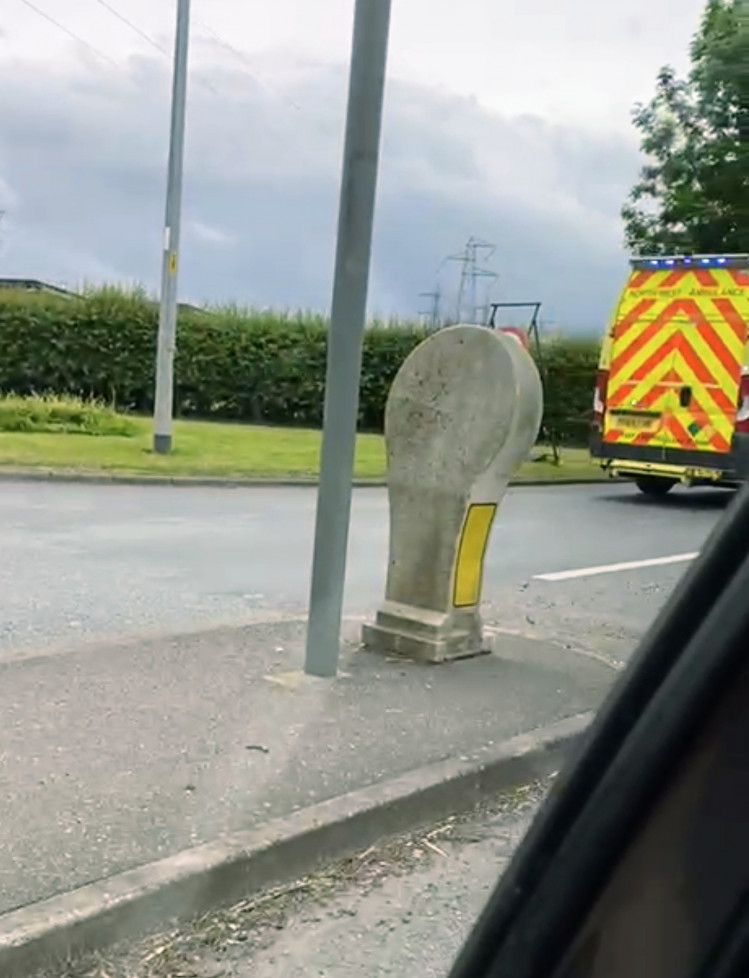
(470,563)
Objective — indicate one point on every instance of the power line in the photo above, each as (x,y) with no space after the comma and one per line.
(322,127)
(146,37)
(67,30)
(245,59)
(133,27)
(204,82)
(206,28)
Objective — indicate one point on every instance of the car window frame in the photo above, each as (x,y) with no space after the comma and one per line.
(704,612)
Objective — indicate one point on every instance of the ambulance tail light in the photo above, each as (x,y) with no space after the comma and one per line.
(742,413)
(599,398)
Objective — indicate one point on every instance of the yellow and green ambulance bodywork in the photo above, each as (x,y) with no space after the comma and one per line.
(671,401)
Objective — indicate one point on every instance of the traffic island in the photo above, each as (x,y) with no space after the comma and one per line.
(174,742)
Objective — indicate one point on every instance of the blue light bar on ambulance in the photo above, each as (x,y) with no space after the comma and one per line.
(690,261)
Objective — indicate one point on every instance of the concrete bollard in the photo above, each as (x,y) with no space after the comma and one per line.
(463,413)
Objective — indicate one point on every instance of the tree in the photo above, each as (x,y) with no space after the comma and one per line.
(692,196)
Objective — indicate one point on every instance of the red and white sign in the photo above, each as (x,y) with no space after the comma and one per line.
(519,334)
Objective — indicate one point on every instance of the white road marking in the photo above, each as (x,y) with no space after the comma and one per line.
(499,633)
(628,565)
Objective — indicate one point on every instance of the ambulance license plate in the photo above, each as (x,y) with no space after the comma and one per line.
(639,422)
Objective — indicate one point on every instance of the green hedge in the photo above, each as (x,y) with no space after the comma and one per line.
(244,366)
(568,367)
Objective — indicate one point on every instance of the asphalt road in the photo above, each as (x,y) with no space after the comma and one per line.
(84,562)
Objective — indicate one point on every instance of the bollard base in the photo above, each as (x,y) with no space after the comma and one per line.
(424,635)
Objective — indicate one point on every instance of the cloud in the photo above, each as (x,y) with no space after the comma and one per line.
(209,234)
(82,172)
(581,61)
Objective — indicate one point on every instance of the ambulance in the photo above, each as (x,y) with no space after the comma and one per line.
(671,402)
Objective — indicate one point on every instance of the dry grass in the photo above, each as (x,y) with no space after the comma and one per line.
(209,945)
(61,414)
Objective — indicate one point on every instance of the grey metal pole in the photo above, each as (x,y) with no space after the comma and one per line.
(163,402)
(348,311)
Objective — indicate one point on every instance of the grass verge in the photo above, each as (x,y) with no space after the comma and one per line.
(227,451)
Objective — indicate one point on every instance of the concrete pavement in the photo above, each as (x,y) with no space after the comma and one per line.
(116,755)
(403,907)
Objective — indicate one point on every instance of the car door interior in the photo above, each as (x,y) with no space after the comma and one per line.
(638,862)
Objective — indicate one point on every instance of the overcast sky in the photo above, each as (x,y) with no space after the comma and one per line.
(504,119)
